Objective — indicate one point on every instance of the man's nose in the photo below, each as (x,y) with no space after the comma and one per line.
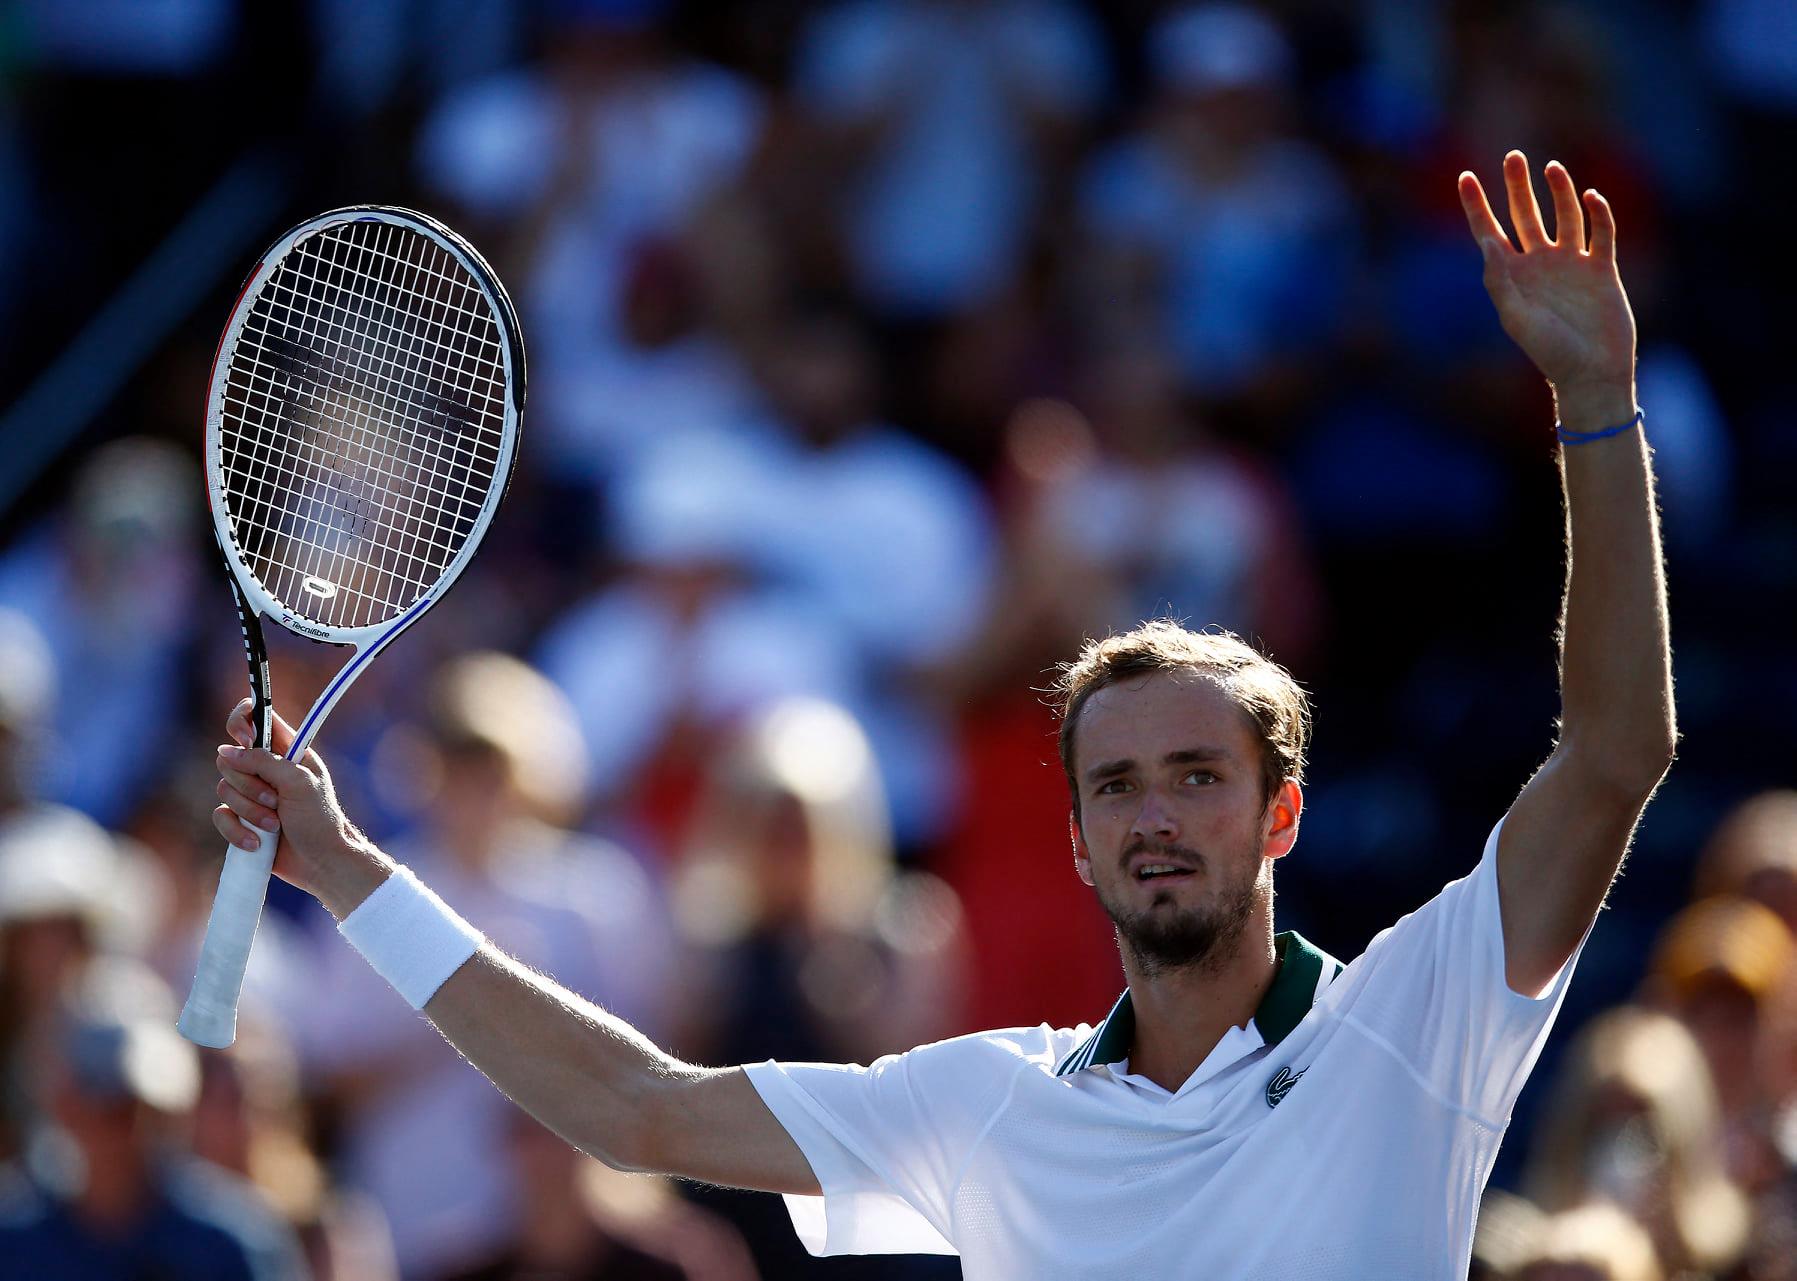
(1155,819)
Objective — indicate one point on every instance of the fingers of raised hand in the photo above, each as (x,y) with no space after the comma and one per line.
(261,767)
(1603,227)
(246,806)
(1569,220)
(248,784)
(1484,224)
(234,830)
(1525,213)
(237,726)
(242,730)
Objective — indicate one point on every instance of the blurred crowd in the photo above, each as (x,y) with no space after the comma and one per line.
(880,351)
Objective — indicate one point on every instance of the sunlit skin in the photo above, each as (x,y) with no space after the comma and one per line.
(1169,771)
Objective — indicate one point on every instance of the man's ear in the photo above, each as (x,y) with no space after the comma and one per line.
(1082,858)
(1281,821)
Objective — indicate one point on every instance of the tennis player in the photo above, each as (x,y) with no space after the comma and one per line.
(1251,1107)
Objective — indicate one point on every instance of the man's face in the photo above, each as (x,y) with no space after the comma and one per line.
(1175,834)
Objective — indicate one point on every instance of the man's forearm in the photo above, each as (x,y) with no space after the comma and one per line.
(582,1072)
(590,1077)
(1616,674)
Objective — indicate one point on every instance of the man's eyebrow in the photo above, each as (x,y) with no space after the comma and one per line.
(1109,769)
(1194,755)
(1184,756)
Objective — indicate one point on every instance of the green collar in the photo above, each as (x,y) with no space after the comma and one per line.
(1300,980)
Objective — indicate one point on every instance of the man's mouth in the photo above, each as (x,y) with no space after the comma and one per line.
(1160,871)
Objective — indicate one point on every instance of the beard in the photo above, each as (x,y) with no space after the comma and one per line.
(1166,937)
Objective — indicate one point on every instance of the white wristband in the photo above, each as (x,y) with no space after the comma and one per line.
(412,938)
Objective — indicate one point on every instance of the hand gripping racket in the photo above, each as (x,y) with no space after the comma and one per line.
(360,431)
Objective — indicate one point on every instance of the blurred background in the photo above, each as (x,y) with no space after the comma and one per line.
(879,352)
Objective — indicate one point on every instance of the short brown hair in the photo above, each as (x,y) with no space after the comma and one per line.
(1276,705)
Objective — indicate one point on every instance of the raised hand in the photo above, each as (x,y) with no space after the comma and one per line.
(319,847)
(1560,299)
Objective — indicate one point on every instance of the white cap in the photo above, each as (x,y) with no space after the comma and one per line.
(56,861)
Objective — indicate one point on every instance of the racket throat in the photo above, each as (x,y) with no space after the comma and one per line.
(255,652)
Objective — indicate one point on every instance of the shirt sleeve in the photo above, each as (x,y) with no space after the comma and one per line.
(888,1143)
(1432,990)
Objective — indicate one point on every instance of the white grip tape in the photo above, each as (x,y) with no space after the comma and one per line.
(210,1016)
(412,938)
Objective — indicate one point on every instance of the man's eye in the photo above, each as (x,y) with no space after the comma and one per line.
(1115,787)
(1201,776)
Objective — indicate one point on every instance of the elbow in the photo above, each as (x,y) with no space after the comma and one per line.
(1629,767)
(614,1125)
(644,1133)
(631,1137)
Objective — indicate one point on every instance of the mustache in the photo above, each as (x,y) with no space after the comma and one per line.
(1173,853)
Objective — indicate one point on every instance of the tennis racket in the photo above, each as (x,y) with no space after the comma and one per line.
(361,427)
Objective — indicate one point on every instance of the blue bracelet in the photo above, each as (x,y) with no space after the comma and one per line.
(1570,437)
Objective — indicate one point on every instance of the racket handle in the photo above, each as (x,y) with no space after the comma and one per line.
(210,1017)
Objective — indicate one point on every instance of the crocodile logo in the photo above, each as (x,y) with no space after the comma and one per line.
(1281,1084)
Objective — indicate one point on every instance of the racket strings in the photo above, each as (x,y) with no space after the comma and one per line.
(355,511)
(393,398)
(363,424)
(409,405)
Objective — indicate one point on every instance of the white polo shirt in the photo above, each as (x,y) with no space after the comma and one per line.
(1346,1132)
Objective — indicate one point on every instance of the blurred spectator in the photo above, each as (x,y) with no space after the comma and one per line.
(109,585)
(809,945)
(806,945)
(751,554)
(686,641)
(27,700)
(1774,1246)
(1507,1231)
(664,374)
(1633,1121)
(1590,1243)
(860,503)
(1753,853)
(68,891)
(1162,519)
(940,114)
(1716,967)
(421,1131)
(612,139)
(249,1119)
(1215,222)
(584,1222)
(107,1193)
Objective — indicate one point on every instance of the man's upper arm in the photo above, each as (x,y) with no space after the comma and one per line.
(1559,850)
(712,1125)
